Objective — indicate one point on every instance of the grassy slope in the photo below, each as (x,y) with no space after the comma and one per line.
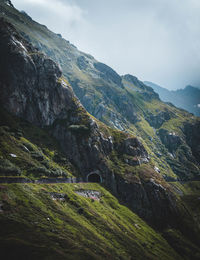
(38,153)
(159,154)
(76,228)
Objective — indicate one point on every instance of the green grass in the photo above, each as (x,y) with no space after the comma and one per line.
(37,153)
(77,228)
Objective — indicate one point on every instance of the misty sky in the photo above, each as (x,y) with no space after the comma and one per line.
(155,40)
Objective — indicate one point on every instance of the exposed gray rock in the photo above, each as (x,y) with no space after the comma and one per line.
(192,132)
(30,86)
(8,2)
(170,139)
(150,200)
(58,196)
(156,120)
(92,194)
(107,73)
(132,147)
(82,62)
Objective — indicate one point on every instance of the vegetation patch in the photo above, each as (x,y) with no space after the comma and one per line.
(74,228)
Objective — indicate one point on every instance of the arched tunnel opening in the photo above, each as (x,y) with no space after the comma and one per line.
(94,177)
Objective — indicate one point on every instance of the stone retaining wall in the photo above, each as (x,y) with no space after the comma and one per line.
(39,181)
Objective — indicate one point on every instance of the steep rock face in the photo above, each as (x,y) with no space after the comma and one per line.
(170,139)
(156,120)
(152,201)
(193,138)
(132,147)
(8,2)
(30,86)
(107,73)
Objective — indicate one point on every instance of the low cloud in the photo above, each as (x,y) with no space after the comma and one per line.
(156,40)
(58,16)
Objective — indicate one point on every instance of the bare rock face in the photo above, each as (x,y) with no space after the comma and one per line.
(157,120)
(30,84)
(107,73)
(132,147)
(8,2)
(170,139)
(151,201)
(193,138)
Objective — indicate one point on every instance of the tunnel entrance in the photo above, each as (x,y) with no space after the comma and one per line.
(94,177)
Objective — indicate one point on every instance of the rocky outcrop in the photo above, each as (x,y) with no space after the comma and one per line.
(183,150)
(132,147)
(156,120)
(170,139)
(193,138)
(152,201)
(30,84)
(8,2)
(147,92)
(91,194)
(107,73)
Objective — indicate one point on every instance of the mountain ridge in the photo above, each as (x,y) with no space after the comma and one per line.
(187,98)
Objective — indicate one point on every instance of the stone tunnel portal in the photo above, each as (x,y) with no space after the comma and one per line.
(94,177)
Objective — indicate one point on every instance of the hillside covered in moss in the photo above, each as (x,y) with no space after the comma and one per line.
(66,225)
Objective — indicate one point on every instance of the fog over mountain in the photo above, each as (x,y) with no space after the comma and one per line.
(155,40)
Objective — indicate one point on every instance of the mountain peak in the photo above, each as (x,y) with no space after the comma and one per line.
(8,2)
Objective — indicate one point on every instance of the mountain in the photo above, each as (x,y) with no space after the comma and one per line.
(52,148)
(187,98)
(124,103)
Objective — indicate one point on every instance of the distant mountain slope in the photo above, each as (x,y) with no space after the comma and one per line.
(187,98)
